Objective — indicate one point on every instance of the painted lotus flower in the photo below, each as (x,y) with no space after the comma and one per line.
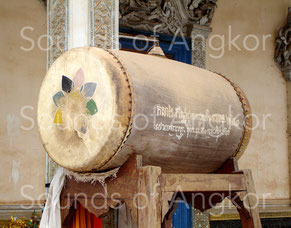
(75,94)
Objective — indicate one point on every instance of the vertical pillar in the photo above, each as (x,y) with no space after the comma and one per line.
(199,36)
(150,210)
(78,23)
(288,88)
(104,23)
(282,58)
(198,39)
(57,43)
(57,29)
(78,20)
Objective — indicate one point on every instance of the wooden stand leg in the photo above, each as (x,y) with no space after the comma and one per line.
(149,197)
(136,186)
(146,193)
(247,203)
(125,217)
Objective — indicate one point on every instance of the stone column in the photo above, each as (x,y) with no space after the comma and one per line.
(78,20)
(104,23)
(198,40)
(282,57)
(288,87)
(57,29)
(77,23)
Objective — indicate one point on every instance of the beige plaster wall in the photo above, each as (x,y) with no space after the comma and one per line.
(22,157)
(256,73)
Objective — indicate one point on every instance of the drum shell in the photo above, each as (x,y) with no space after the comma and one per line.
(171,113)
(159,81)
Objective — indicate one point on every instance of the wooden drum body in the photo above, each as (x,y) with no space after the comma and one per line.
(98,107)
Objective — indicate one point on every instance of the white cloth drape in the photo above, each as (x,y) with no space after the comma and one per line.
(51,216)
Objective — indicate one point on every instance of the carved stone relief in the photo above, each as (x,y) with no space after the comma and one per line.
(149,15)
(198,41)
(283,48)
(165,16)
(104,23)
(200,11)
(57,28)
(57,31)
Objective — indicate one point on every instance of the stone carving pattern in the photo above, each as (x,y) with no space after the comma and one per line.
(57,30)
(198,42)
(150,15)
(165,16)
(201,11)
(104,27)
(283,44)
(198,53)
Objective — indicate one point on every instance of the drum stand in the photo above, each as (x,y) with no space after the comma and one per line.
(148,194)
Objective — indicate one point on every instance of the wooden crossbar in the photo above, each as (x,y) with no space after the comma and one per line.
(202,182)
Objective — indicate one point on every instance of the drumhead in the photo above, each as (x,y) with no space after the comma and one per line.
(77,109)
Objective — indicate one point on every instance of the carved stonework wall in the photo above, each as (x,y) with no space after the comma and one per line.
(57,28)
(198,40)
(166,16)
(104,27)
(57,31)
(200,11)
(283,48)
(151,16)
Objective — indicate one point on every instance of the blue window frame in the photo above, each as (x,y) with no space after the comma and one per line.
(176,48)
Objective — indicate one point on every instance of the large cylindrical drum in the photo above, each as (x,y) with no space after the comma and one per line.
(98,107)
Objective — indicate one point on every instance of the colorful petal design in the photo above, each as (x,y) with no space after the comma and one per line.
(57,97)
(76,96)
(91,107)
(89,89)
(58,117)
(67,84)
(79,78)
